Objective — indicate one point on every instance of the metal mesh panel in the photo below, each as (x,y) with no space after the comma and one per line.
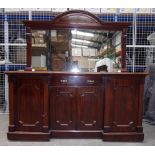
(140,50)
(144,27)
(2,90)
(16,29)
(17,54)
(136,59)
(42,15)
(1,28)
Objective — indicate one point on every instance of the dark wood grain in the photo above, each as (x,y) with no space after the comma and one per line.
(89,106)
(47,105)
(62,108)
(29,48)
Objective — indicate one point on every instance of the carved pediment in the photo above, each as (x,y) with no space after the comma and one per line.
(77,17)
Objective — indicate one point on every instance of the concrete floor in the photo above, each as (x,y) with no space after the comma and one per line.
(149,139)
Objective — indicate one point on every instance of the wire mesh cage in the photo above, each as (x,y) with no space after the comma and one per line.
(2,92)
(140,49)
(151,38)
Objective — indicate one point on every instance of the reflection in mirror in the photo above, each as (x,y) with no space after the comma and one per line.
(76,50)
(39,50)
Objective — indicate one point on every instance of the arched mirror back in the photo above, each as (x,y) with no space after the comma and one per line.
(76,40)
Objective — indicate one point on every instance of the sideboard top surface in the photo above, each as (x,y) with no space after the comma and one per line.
(72,73)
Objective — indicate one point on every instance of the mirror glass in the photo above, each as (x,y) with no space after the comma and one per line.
(76,50)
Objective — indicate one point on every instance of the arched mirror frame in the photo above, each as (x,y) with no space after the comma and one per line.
(76,19)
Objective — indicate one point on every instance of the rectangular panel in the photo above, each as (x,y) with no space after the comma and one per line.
(121,104)
(89,108)
(29,104)
(62,108)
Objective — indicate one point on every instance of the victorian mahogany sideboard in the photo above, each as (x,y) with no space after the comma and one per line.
(46,105)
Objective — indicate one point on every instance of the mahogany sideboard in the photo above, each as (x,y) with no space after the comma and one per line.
(48,104)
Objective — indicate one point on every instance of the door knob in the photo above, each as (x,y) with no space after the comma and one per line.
(90,81)
(63,81)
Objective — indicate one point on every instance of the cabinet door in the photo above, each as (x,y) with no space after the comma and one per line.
(121,104)
(30,103)
(62,108)
(89,108)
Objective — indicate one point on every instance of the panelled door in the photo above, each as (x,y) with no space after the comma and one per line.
(62,108)
(89,108)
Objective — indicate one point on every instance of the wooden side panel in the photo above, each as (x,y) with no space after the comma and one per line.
(11,127)
(121,105)
(89,108)
(29,102)
(62,108)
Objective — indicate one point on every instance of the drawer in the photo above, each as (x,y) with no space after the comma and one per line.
(75,80)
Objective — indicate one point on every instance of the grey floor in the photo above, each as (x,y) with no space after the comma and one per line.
(149,139)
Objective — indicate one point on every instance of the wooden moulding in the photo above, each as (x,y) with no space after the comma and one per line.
(28,136)
(119,136)
(76,134)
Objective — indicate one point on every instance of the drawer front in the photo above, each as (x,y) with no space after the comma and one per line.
(75,80)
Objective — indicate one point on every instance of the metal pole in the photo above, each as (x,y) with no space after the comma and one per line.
(134,37)
(6,53)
